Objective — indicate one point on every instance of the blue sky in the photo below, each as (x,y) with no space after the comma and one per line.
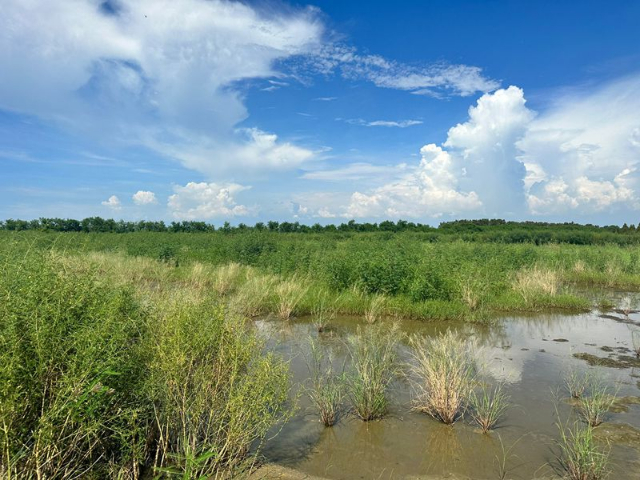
(324,112)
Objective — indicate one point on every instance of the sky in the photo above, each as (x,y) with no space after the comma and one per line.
(323,112)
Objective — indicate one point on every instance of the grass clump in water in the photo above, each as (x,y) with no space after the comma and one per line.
(444,369)
(326,387)
(580,458)
(576,383)
(594,406)
(488,406)
(374,364)
(324,310)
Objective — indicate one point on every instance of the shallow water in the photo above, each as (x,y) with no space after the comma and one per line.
(530,354)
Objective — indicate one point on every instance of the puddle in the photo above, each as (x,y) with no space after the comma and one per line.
(530,354)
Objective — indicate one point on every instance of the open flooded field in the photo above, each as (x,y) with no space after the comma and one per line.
(530,355)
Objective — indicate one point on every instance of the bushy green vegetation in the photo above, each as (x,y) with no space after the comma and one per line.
(380,273)
(482,230)
(110,370)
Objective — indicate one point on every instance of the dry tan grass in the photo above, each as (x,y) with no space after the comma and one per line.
(226,278)
(375,308)
(288,295)
(444,370)
(252,297)
(536,281)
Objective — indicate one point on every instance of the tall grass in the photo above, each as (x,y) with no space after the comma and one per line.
(373,353)
(226,278)
(326,388)
(103,376)
(253,297)
(374,308)
(288,295)
(531,282)
(488,406)
(324,309)
(580,458)
(444,369)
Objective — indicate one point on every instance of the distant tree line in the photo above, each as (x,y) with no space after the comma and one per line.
(482,229)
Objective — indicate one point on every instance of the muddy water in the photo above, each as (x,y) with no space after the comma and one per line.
(529,354)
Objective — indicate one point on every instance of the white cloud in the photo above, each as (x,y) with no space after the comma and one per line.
(580,157)
(203,201)
(113,203)
(157,72)
(429,191)
(474,171)
(356,171)
(384,123)
(583,152)
(142,197)
(435,79)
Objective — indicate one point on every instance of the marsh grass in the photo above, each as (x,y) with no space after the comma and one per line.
(536,281)
(288,294)
(444,370)
(326,387)
(373,352)
(580,457)
(215,393)
(324,309)
(594,406)
(576,383)
(375,305)
(226,278)
(488,406)
(253,297)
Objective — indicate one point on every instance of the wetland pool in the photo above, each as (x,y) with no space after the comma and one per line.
(529,354)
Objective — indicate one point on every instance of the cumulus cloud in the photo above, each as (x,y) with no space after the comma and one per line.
(582,154)
(153,72)
(113,202)
(474,171)
(429,191)
(203,201)
(142,197)
(579,157)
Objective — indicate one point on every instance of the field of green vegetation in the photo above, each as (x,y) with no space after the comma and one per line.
(124,354)
(404,274)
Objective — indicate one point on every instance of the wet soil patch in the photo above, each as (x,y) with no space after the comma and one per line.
(613,361)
